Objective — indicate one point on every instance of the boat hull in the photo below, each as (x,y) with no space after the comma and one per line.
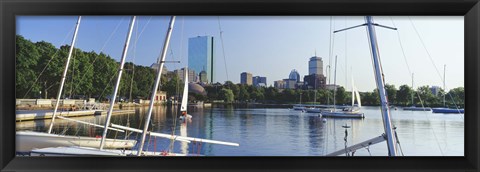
(343,115)
(447,110)
(317,110)
(27,141)
(86,151)
(417,109)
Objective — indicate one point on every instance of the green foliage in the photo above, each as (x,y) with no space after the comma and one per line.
(226,95)
(89,74)
(404,95)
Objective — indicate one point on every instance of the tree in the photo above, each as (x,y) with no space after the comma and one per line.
(244,95)
(391,93)
(340,96)
(226,95)
(458,96)
(27,57)
(404,95)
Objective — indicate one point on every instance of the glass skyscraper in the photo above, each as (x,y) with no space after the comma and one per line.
(200,55)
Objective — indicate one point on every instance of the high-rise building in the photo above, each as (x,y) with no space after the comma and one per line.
(201,55)
(280,84)
(315,66)
(290,83)
(314,81)
(259,81)
(246,78)
(192,76)
(294,75)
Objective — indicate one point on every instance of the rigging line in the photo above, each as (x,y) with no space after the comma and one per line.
(430,57)
(405,58)
(73,72)
(426,50)
(346,57)
(435,136)
(51,58)
(103,47)
(223,47)
(401,47)
(424,47)
(133,60)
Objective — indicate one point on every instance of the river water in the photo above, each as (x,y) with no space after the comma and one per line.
(280,131)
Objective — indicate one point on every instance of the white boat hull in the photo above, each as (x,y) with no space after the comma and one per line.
(27,141)
(86,151)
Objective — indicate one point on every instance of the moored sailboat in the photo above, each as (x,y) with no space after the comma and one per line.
(348,112)
(28,140)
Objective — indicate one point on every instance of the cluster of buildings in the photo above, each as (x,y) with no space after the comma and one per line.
(248,79)
(314,80)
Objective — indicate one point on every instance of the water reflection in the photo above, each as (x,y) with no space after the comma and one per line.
(277,131)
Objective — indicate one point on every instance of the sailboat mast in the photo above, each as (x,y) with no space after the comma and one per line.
(444,88)
(157,82)
(335,84)
(117,84)
(412,90)
(391,141)
(64,75)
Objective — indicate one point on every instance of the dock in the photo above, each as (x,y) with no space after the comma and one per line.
(48,115)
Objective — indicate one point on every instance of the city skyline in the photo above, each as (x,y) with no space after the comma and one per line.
(273,46)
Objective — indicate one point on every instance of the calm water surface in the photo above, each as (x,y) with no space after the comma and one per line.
(280,131)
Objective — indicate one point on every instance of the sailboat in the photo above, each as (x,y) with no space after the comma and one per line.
(446,109)
(413,107)
(183,108)
(390,135)
(316,108)
(86,151)
(28,140)
(348,112)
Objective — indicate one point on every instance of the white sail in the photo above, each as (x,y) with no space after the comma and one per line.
(353,92)
(358,97)
(183,107)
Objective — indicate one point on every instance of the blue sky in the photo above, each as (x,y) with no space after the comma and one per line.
(272,46)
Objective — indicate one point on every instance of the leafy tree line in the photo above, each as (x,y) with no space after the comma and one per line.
(230,93)
(89,75)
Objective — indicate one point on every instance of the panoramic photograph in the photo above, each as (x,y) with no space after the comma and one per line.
(240,86)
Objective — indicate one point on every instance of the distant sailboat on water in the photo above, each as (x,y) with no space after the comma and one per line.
(183,108)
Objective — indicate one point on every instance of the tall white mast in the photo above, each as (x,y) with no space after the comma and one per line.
(444,88)
(64,75)
(157,81)
(387,122)
(117,84)
(335,84)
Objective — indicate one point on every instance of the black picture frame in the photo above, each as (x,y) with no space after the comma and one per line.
(470,9)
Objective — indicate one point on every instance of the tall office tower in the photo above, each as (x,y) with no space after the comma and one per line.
(259,81)
(201,55)
(246,78)
(315,66)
